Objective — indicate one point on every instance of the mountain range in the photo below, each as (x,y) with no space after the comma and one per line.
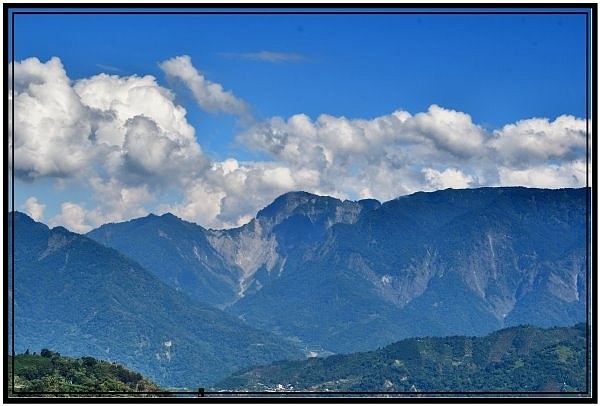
(79,298)
(309,275)
(343,276)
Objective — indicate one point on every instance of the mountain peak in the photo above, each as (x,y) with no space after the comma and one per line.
(20,216)
(292,197)
(285,204)
(170,216)
(325,210)
(23,219)
(153,218)
(61,230)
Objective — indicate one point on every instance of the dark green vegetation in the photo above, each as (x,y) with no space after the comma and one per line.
(51,372)
(351,276)
(517,359)
(80,298)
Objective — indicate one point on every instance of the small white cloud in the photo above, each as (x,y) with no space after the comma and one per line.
(279,178)
(72,217)
(269,56)
(448,178)
(210,96)
(450,131)
(228,166)
(534,141)
(33,208)
(117,201)
(108,67)
(568,174)
(201,203)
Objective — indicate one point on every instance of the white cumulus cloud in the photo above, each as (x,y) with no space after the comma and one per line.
(381,157)
(126,142)
(448,178)
(33,208)
(72,216)
(104,132)
(51,125)
(568,174)
(533,141)
(449,130)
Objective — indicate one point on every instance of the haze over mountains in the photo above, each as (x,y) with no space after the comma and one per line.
(329,275)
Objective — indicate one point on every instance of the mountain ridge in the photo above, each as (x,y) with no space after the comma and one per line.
(512,360)
(82,298)
(375,272)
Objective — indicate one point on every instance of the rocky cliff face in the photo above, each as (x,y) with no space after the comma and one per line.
(291,222)
(248,248)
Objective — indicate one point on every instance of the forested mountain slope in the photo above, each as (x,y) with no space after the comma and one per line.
(51,372)
(517,359)
(79,298)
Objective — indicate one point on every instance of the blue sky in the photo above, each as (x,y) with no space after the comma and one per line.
(352,106)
